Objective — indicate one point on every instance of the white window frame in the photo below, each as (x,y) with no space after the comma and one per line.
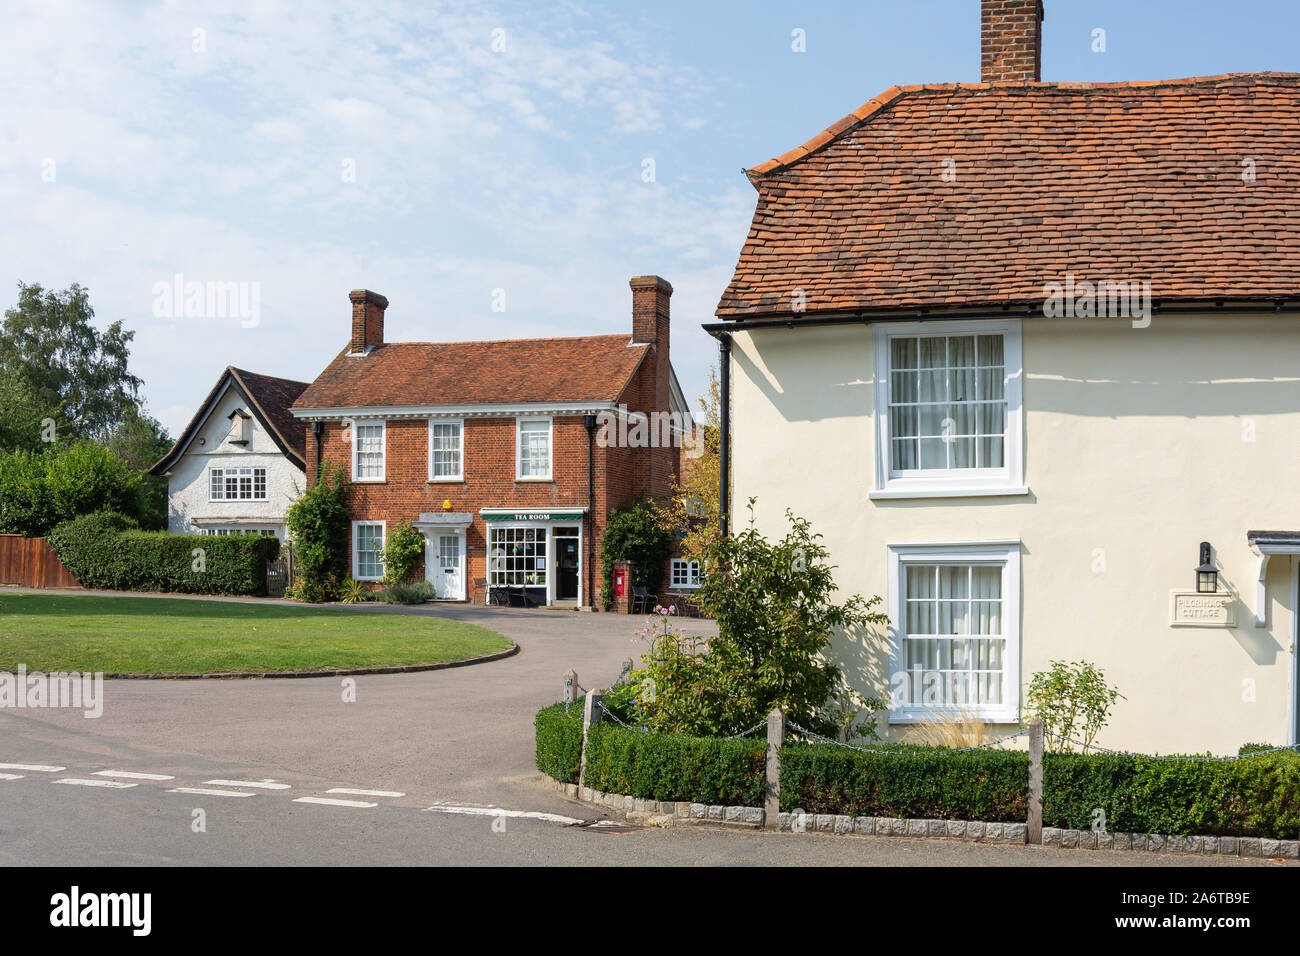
(519,449)
(252,478)
(356,551)
(460,423)
(383,447)
(1005,553)
(692,571)
(956,482)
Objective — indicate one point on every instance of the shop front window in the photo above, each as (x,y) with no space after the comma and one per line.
(518,557)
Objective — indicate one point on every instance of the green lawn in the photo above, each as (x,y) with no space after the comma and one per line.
(127,635)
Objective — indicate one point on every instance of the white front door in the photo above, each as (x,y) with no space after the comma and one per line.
(448,576)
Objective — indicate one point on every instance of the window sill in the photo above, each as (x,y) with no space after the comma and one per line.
(931,490)
(534,481)
(446,481)
(929,715)
(369,481)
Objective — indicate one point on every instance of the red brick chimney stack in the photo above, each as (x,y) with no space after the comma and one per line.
(650,295)
(1011,41)
(367,319)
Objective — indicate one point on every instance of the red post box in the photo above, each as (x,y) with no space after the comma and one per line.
(619,587)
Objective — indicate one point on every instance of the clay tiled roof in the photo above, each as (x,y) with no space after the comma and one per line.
(1111,181)
(270,398)
(513,371)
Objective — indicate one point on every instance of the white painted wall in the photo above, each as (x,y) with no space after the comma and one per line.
(1134,445)
(189,509)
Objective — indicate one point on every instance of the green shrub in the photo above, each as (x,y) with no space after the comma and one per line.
(416,593)
(776,611)
(319,525)
(914,782)
(676,767)
(1259,796)
(107,550)
(41,489)
(403,553)
(559,741)
(635,534)
(1070,699)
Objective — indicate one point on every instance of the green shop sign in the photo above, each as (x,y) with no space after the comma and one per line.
(534,516)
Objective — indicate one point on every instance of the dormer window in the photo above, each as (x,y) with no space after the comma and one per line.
(241,428)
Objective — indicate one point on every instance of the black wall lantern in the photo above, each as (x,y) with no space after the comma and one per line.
(1207,575)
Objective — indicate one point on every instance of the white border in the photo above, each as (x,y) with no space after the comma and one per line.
(1005,553)
(1009,480)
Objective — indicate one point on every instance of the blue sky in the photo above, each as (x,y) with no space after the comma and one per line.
(135,149)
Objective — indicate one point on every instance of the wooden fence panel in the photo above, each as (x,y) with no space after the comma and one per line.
(32,563)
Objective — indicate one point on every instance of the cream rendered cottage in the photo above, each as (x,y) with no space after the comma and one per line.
(1017,349)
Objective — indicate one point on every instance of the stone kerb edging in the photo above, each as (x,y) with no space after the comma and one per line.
(678,813)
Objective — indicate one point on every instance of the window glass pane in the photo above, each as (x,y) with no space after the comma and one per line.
(903,421)
(934,453)
(902,353)
(991,451)
(990,350)
(369,451)
(961,351)
(934,352)
(904,456)
(932,386)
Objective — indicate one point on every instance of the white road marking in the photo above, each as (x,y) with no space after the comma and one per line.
(211,793)
(11,776)
(498,812)
(366,793)
(40,768)
(334,803)
(83,782)
(132,775)
(259,784)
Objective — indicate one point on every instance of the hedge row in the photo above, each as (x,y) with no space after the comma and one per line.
(657,766)
(916,782)
(1257,796)
(559,741)
(106,550)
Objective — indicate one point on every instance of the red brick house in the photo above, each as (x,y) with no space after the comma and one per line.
(495,451)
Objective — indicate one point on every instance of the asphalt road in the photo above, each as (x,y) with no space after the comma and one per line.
(422,745)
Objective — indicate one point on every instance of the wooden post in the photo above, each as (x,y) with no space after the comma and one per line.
(772,801)
(570,686)
(1035,781)
(590,718)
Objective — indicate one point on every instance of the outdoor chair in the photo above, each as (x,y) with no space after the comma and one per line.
(643,602)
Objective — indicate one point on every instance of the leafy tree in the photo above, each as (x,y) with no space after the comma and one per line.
(1070,696)
(140,440)
(695,506)
(40,489)
(48,339)
(635,534)
(318,524)
(25,419)
(776,615)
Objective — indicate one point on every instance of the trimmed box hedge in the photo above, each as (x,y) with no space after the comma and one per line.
(914,782)
(675,767)
(559,741)
(107,550)
(1252,797)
